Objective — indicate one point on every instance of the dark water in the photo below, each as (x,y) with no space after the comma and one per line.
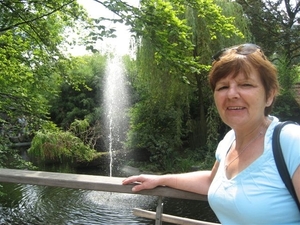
(29,204)
(40,205)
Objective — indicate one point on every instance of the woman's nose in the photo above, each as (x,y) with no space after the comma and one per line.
(232,92)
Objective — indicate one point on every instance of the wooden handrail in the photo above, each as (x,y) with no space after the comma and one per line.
(170,218)
(88,182)
(98,183)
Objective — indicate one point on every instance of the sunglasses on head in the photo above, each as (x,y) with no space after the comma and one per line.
(244,49)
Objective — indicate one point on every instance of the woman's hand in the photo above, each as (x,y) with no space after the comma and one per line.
(142,182)
(197,182)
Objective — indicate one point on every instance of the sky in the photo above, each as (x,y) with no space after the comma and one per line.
(119,45)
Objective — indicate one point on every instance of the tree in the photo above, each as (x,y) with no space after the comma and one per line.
(82,102)
(275,26)
(30,40)
(207,40)
(32,59)
(175,43)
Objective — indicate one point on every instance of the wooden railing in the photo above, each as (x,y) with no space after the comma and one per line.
(107,184)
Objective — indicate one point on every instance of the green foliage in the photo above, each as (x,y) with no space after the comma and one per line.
(275,26)
(83,100)
(286,106)
(165,26)
(174,52)
(213,122)
(156,130)
(32,65)
(29,40)
(10,157)
(59,146)
(208,161)
(89,134)
(287,76)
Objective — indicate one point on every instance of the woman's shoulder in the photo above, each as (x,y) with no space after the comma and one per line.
(290,145)
(290,131)
(289,128)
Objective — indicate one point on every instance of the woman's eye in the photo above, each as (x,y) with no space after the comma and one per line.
(247,85)
(221,88)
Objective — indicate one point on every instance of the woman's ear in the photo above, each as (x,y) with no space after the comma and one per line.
(270,98)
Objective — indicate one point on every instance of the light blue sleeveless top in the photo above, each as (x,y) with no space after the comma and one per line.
(257,194)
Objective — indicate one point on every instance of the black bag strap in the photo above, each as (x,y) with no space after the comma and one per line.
(280,162)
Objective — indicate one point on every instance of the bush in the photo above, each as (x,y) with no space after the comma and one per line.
(57,145)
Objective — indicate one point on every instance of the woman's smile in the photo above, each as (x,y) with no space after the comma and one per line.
(235,108)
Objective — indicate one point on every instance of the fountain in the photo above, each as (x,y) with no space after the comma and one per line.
(115,102)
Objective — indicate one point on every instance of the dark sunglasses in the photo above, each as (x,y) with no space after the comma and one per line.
(244,49)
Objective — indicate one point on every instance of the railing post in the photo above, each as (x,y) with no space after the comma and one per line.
(159,211)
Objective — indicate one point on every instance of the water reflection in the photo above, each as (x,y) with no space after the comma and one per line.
(29,204)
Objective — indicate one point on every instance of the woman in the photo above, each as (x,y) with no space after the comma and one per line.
(244,186)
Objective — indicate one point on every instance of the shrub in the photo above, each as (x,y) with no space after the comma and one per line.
(57,145)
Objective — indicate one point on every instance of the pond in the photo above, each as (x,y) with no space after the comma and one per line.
(30,204)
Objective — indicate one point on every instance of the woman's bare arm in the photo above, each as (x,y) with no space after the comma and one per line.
(197,182)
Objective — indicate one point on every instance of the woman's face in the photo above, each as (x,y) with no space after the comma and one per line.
(241,100)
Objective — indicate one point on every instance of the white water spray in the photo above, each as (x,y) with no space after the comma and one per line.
(116,102)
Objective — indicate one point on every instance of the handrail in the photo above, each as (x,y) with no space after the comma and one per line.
(88,182)
(92,182)
(169,218)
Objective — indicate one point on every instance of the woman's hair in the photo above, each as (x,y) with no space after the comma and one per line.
(233,61)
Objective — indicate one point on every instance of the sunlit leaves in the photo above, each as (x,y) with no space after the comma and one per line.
(31,34)
(175,40)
